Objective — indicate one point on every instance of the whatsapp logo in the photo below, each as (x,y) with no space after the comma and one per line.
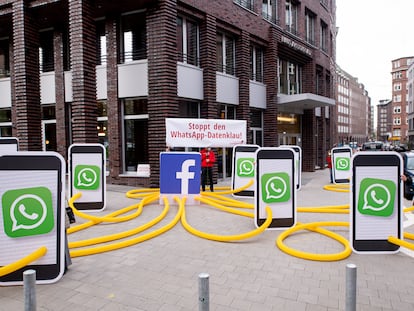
(376,197)
(27,212)
(245,167)
(275,187)
(87,177)
(342,164)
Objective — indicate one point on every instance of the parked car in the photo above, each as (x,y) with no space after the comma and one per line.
(408,159)
(373,146)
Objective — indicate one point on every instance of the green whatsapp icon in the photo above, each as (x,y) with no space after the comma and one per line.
(87,177)
(376,197)
(275,187)
(27,212)
(245,167)
(342,164)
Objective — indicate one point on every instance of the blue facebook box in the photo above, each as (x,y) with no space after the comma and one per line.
(180,172)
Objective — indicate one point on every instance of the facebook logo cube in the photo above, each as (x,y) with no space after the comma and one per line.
(180,173)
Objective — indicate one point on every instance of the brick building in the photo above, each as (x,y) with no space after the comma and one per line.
(399,127)
(111,72)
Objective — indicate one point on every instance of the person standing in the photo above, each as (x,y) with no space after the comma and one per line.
(208,159)
(329,162)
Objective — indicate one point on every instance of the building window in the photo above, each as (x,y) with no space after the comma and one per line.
(290,77)
(397,109)
(4,59)
(226,49)
(397,121)
(134,37)
(187,41)
(135,143)
(269,10)
(101,43)
(46,57)
(291,17)
(248,4)
(324,37)
(256,126)
(256,63)
(5,122)
(397,87)
(310,18)
(397,98)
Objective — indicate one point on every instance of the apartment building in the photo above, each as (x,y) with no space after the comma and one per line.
(353,109)
(84,71)
(399,128)
(410,104)
(384,120)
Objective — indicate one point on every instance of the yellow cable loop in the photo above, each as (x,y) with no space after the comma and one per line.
(315,226)
(130,242)
(322,210)
(409,235)
(228,238)
(337,188)
(23,262)
(228,191)
(88,224)
(138,193)
(121,235)
(230,202)
(224,208)
(96,219)
(400,242)
(409,209)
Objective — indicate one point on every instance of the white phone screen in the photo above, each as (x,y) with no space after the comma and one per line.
(275,189)
(29,215)
(376,202)
(87,176)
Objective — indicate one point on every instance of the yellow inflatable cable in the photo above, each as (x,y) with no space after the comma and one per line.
(138,193)
(409,235)
(225,208)
(229,191)
(337,188)
(130,242)
(88,224)
(23,262)
(230,202)
(409,209)
(120,235)
(96,219)
(228,238)
(315,226)
(400,242)
(322,210)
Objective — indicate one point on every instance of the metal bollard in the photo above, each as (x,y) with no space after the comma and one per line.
(29,284)
(350,290)
(203,292)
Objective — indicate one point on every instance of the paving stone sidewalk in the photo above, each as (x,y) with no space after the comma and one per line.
(161,274)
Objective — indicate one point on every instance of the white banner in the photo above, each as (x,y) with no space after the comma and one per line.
(183,132)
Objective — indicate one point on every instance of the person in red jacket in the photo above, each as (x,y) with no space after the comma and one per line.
(208,159)
(329,162)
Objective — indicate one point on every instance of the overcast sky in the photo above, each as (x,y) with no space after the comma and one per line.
(371,34)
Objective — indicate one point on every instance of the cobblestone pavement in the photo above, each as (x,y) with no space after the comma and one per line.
(162,273)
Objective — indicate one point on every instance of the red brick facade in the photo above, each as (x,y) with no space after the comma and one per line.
(74,33)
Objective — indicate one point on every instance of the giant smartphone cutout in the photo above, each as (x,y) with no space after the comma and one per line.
(87,175)
(298,163)
(32,213)
(275,187)
(376,201)
(8,145)
(244,157)
(341,164)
